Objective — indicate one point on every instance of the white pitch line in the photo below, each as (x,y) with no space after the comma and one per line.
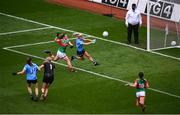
(21,31)
(94,73)
(20,18)
(166,48)
(123,44)
(168,56)
(38,43)
(27,20)
(16,46)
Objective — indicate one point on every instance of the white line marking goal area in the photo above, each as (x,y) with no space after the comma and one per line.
(107,40)
(10,48)
(81,69)
(22,31)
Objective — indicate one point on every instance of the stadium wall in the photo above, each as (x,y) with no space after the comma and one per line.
(101,8)
(161,9)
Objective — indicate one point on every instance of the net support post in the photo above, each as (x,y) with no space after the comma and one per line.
(148,25)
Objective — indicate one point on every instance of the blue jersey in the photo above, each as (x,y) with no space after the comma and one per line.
(31,71)
(79,45)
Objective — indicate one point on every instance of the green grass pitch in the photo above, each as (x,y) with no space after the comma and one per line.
(82,92)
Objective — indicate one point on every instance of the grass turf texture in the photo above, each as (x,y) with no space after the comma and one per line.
(82,92)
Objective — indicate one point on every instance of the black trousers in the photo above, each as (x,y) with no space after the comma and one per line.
(135,29)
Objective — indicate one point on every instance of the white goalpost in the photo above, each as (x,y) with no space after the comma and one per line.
(163,25)
(148,25)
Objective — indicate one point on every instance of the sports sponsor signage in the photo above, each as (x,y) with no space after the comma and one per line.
(158,8)
(161,9)
(117,3)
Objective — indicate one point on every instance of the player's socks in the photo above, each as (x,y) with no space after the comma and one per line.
(143,108)
(42,97)
(95,63)
(45,98)
(71,70)
(31,97)
(73,57)
(36,98)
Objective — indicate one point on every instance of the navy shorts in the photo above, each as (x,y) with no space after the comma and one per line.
(81,53)
(32,81)
(48,80)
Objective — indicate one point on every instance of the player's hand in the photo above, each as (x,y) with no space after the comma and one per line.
(128,84)
(93,41)
(140,24)
(126,24)
(71,47)
(14,73)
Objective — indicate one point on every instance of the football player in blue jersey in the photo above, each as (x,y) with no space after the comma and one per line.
(30,70)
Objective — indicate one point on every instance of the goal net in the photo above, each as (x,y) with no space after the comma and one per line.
(164,24)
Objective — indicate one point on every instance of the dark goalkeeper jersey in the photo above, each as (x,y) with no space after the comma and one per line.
(49,69)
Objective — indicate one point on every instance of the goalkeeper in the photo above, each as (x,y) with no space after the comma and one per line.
(81,52)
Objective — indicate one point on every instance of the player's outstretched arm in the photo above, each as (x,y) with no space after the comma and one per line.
(70,44)
(56,39)
(89,41)
(147,84)
(41,66)
(19,73)
(131,84)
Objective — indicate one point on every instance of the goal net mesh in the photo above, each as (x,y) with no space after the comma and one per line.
(164,33)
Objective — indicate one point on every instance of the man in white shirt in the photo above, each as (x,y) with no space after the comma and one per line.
(133,21)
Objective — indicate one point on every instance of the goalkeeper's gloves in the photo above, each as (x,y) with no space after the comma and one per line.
(14,73)
(93,41)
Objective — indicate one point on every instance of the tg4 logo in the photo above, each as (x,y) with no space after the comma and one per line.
(161,9)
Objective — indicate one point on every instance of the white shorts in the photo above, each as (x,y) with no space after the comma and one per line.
(61,55)
(141,94)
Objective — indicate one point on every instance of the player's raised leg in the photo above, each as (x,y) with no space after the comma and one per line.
(90,58)
(141,102)
(70,67)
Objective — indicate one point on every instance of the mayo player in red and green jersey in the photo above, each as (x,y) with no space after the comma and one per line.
(140,84)
(63,41)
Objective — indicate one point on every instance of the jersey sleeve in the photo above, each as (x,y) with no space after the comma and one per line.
(25,68)
(56,39)
(37,68)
